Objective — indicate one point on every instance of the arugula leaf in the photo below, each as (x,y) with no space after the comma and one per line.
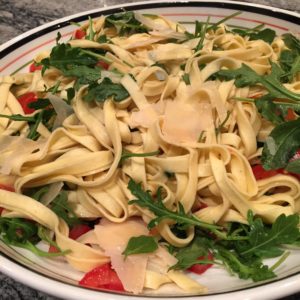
(245,76)
(125,155)
(291,42)
(293,166)
(188,256)
(140,244)
(101,91)
(268,35)
(44,235)
(125,23)
(281,145)
(62,208)
(144,199)
(186,78)
(70,95)
(263,240)
(84,74)
(92,33)
(215,26)
(40,103)
(254,270)
(248,31)
(64,57)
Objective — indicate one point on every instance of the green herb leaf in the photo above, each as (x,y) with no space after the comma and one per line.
(62,208)
(245,76)
(262,239)
(268,35)
(144,199)
(102,91)
(293,166)
(125,23)
(125,155)
(92,33)
(281,145)
(186,78)
(140,244)
(188,256)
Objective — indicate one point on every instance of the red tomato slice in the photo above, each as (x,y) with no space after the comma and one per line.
(102,277)
(79,34)
(33,67)
(25,99)
(260,173)
(102,64)
(201,268)
(78,230)
(74,234)
(290,115)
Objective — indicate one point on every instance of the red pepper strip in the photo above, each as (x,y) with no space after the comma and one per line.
(25,99)
(79,34)
(33,67)
(290,116)
(201,268)
(102,64)
(102,277)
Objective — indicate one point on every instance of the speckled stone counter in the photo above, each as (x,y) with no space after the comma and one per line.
(17,16)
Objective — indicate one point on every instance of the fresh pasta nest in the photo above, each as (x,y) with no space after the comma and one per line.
(162,149)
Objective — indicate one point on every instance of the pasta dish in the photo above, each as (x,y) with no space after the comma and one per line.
(139,147)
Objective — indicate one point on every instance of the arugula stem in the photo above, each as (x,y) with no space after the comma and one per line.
(33,130)
(224,20)
(126,155)
(281,260)
(18,117)
(99,56)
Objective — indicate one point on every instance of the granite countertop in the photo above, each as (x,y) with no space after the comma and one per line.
(17,16)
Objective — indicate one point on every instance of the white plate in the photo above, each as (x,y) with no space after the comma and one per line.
(57,278)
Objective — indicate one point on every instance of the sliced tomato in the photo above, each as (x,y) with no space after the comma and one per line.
(260,173)
(78,230)
(290,116)
(75,232)
(25,99)
(6,187)
(102,277)
(201,268)
(79,34)
(1,210)
(34,67)
(102,64)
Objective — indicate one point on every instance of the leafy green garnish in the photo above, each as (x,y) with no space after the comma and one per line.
(140,244)
(99,92)
(92,33)
(62,208)
(144,199)
(245,76)
(186,78)
(290,59)
(189,256)
(125,23)
(281,145)
(22,233)
(125,155)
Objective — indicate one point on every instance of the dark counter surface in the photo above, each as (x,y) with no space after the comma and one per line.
(18,16)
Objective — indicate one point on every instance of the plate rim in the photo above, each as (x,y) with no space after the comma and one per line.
(31,278)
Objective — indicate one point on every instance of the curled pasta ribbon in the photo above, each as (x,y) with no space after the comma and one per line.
(82,257)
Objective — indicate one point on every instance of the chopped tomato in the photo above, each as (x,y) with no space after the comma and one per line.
(34,67)
(260,173)
(75,232)
(26,99)
(102,64)
(102,277)
(201,268)
(290,116)
(1,210)
(198,205)
(6,187)
(78,230)
(79,34)
(53,249)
